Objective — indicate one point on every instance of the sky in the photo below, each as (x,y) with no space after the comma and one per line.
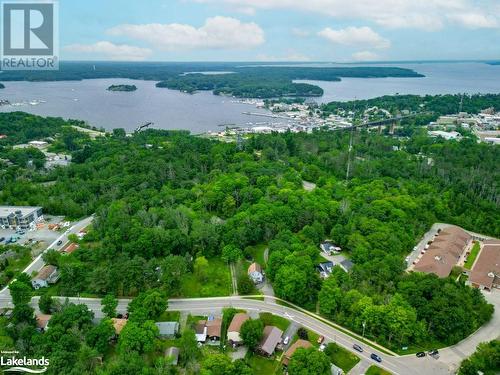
(279,30)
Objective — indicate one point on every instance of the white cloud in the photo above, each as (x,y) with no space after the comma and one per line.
(365,56)
(217,33)
(475,20)
(355,36)
(425,15)
(110,51)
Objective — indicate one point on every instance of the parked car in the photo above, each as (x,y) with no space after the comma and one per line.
(1,239)
(321,339)
(59,242)
(434,353)
(286,340)
(376,357)
(420,354)
(322,347)
(358,348)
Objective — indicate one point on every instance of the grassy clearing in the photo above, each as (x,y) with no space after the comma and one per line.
(341,357)
(216,282)
(274,320)
(257,253)
(261,365)
(472,256)
(170,316)
(374,370)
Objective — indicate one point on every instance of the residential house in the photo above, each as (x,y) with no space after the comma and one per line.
(291,350)
(70,248)
(42,322)
(47,275)
(446,250)
(167,329)
(214,328)
(270,340)
(325,269)
(209,329)
(485,273)
(329,248)
(201,331)
(172,354)
(118,324)
(233,331)
(255,273)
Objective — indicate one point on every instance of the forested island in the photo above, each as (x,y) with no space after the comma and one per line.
(126,88)
(170,215)
(253,81)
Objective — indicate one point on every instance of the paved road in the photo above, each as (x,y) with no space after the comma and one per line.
(38,263)
(395,364)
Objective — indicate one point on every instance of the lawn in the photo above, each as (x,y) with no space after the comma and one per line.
(169,316)
(261,365)
(257,253)
(374,370)
(214,282)
(341,357)
(274,320)
(472,256)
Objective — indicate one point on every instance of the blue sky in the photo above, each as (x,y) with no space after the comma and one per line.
(279,30)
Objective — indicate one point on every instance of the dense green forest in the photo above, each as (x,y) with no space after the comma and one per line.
(257,81)
(437,105)
(122,88)
(163,211)
(269,82)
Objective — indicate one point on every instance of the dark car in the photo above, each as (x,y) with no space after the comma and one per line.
(358,348)
(2,238)
(420,354)
(59,242)
(376,357)
(434,352)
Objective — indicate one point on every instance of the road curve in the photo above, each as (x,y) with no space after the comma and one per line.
(395,364)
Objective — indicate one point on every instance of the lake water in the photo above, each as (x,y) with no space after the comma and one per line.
(440,78)
(89,100)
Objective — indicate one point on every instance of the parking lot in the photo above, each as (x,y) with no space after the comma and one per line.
(39,238)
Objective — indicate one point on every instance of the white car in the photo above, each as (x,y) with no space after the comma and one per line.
(286,340)
(322,347)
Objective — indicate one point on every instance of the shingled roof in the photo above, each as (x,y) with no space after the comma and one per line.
(444,252)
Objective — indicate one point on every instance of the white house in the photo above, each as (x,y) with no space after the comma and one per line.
(255,273)
(329,248)
(47,275)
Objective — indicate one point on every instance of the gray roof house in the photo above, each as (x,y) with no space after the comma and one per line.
(270,339)
(168,329)
(47,275)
